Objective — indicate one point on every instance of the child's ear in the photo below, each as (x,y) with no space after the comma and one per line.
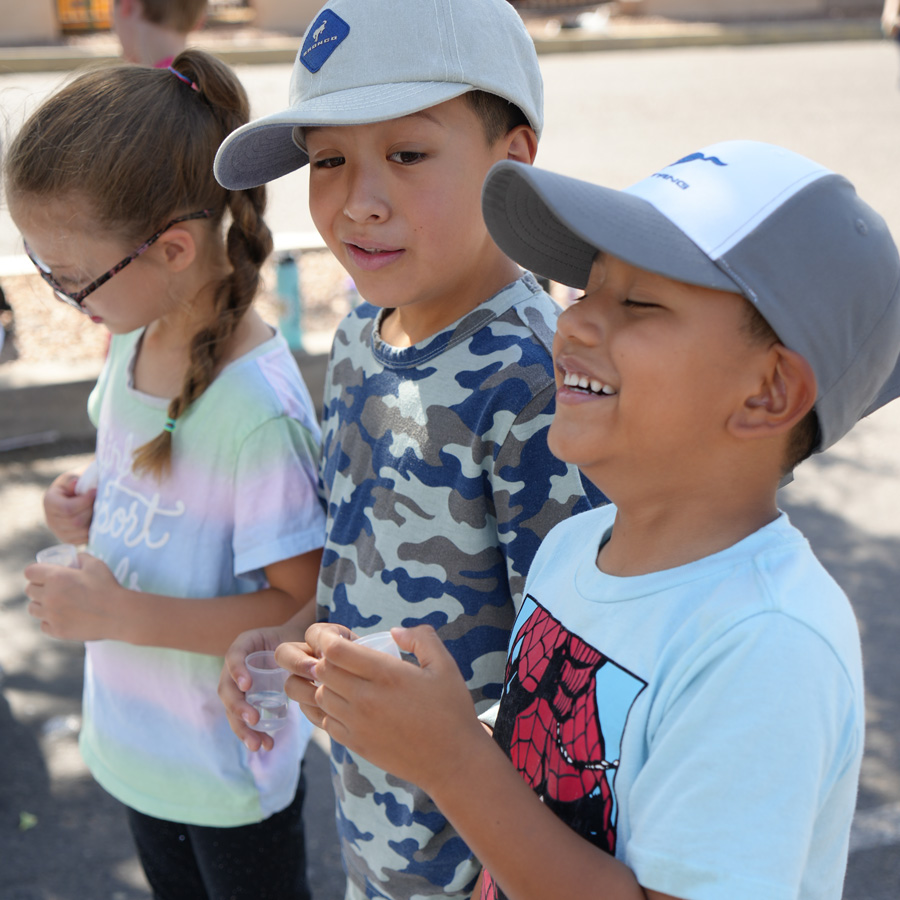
(178,248)
(785,395)
(521,144)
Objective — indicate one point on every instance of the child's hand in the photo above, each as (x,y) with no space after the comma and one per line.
(235,681)
(68,514)
(75,604)
(300,658)
(415,722)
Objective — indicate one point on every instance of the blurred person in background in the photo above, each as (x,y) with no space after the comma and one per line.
(154,32)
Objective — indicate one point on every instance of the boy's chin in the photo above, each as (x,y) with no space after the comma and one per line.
(573,452)
(563,447)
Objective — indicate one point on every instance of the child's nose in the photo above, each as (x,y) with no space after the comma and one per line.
(582,321)
(366,199)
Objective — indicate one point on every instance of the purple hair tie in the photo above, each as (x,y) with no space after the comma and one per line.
(184,78)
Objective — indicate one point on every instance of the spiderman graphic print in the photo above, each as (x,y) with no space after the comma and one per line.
(561,721)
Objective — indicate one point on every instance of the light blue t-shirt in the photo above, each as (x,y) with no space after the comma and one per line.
(705,724)
(241,495)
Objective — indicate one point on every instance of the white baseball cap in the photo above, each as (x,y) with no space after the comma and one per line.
(365,61)
(791,236)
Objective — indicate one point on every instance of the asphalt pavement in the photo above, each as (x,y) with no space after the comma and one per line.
(610,117)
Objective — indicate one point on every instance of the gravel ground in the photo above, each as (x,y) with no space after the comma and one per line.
(40,328)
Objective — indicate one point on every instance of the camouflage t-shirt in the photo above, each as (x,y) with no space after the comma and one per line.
(439,487)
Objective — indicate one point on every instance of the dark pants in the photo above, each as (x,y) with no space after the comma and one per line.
(263,861)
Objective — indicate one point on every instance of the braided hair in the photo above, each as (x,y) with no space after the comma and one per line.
(138,145)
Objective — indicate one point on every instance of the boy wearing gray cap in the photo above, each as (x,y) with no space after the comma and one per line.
(683,701)
(435,472)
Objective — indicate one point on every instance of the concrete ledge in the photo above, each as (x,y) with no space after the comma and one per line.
(18,375)
(45,404)
(45,414)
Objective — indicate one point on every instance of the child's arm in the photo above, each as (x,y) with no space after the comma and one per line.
(89,604)
(419,724)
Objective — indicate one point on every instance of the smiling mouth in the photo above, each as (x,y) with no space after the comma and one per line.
(583,384)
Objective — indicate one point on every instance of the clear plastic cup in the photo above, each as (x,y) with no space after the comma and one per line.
(380,640)
(266,694)
(59,555)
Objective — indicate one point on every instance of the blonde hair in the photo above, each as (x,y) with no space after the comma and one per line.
(138,144)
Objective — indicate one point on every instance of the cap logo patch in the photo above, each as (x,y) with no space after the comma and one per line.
(667,177)
(720,194)
(691,157)
(323,38)
(699,156)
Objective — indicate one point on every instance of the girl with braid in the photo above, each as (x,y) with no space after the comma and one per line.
(204,520)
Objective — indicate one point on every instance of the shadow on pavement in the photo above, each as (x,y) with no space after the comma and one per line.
(62,837)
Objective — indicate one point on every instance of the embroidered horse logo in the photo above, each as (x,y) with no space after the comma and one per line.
(318,32)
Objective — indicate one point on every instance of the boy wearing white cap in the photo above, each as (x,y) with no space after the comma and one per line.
(435,472)
(683,701)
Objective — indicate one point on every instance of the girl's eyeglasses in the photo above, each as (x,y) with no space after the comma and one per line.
(77,299)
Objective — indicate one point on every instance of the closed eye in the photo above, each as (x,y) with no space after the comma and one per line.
(71,284)
(636,304)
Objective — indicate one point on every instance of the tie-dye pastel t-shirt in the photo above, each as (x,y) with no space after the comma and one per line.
(241,495)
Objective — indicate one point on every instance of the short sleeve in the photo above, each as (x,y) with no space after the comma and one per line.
(752,769)
(277,510)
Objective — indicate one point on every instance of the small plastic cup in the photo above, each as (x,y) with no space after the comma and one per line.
(380,640)
(59,555)
(88,479)
(266,693)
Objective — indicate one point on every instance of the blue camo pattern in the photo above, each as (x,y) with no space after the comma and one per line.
(438,487)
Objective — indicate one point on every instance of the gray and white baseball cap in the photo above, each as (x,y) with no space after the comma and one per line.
(758,220)
(365,61)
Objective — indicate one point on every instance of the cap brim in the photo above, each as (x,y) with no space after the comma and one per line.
(890,390)
(257,153)
(554,225)
(264,149)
